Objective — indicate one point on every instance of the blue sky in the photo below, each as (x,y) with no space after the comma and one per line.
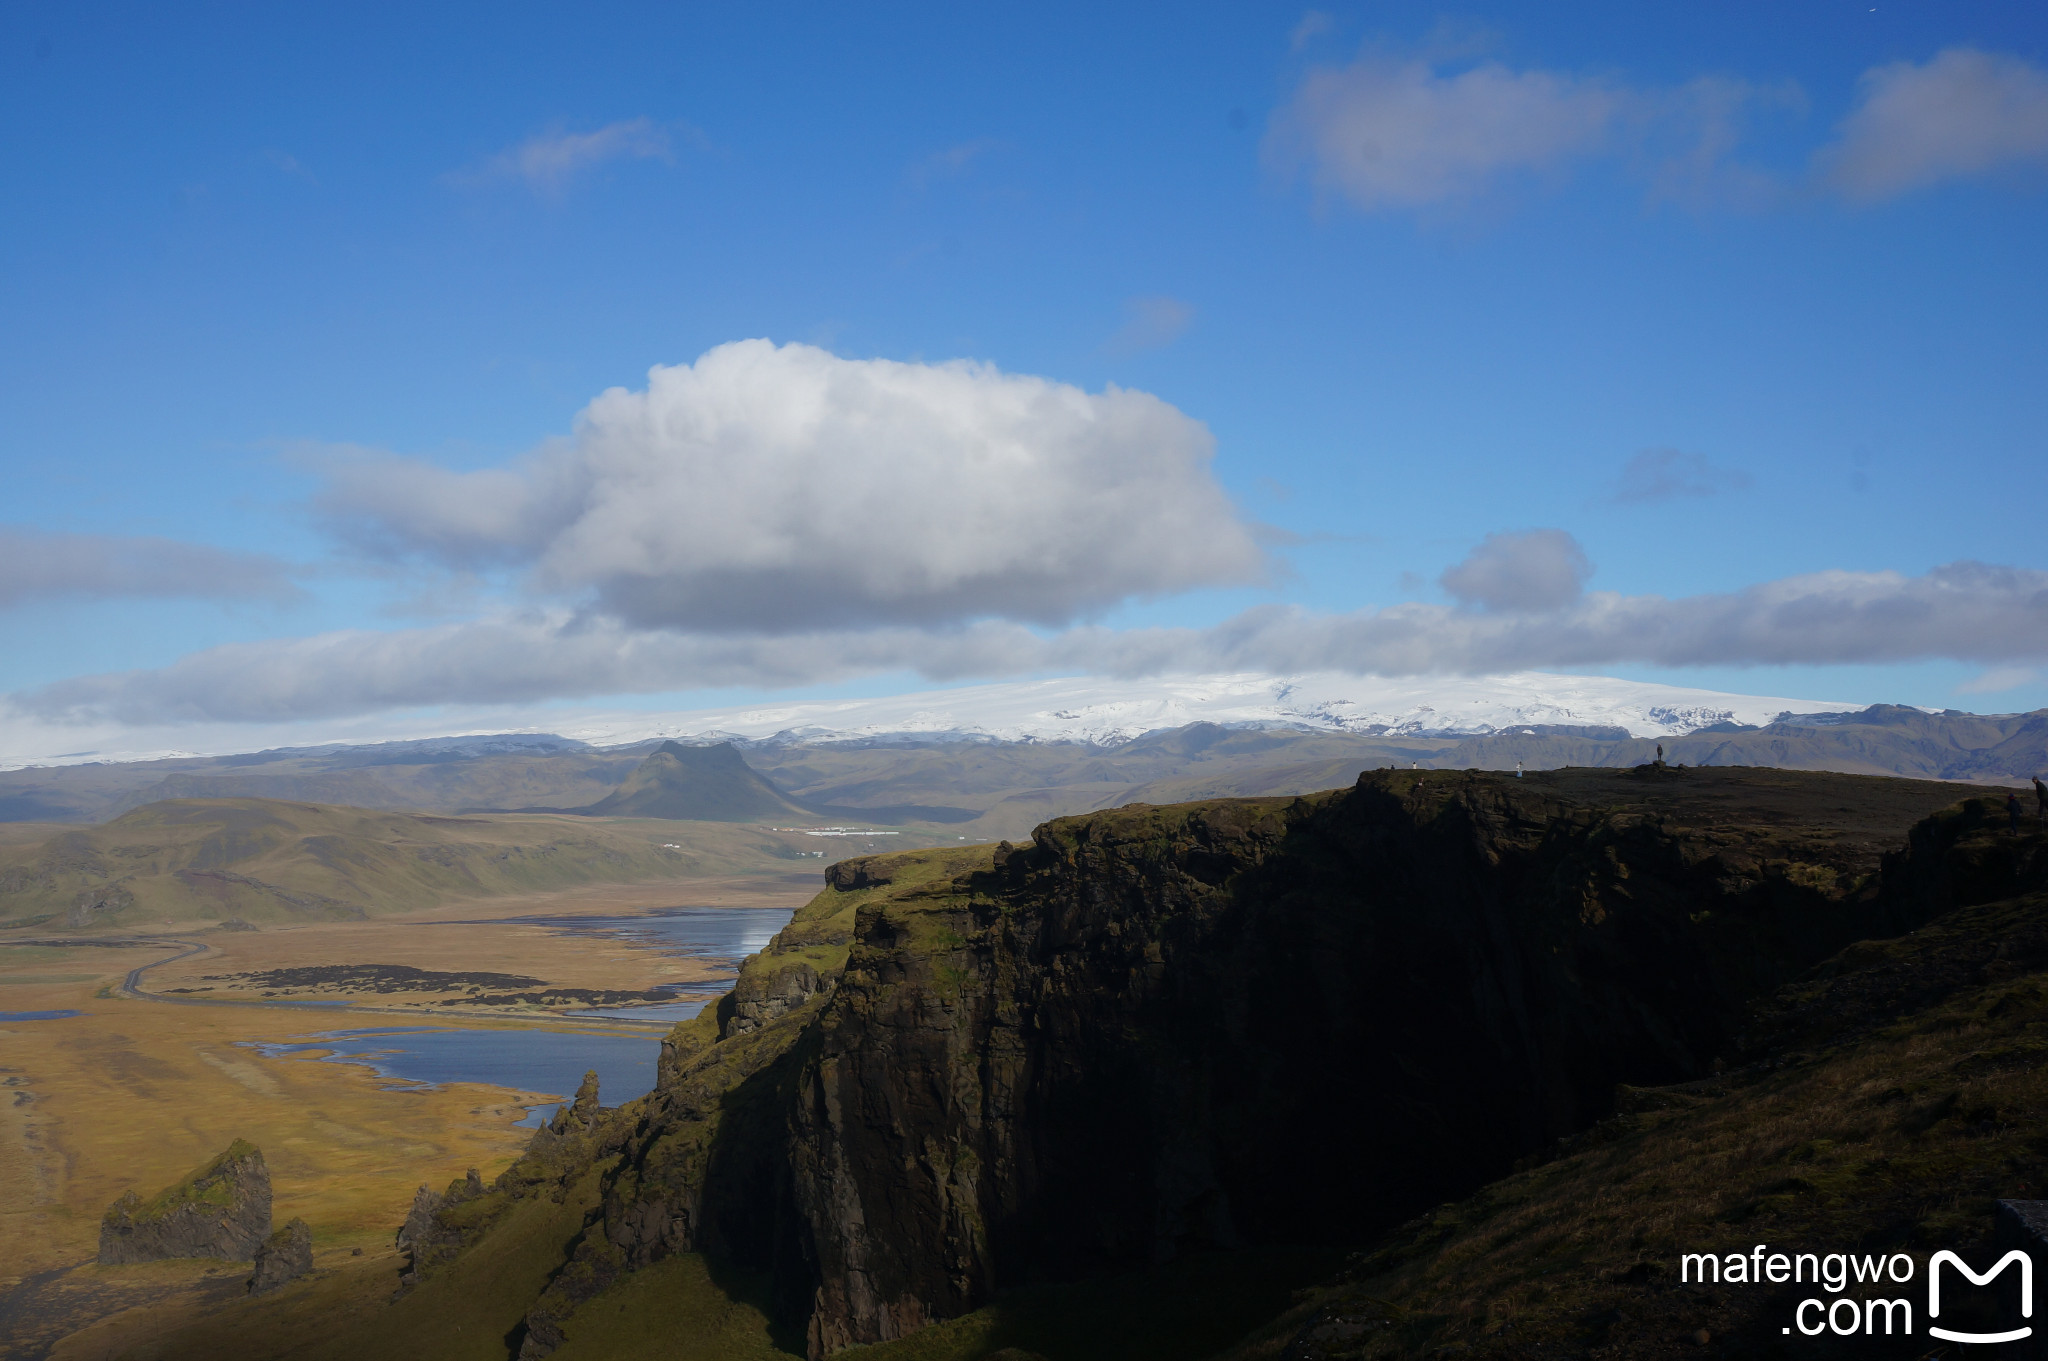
(1720,298)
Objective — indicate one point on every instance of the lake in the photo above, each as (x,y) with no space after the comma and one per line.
(544,1062)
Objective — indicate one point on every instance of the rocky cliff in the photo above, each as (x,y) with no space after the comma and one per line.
(221,1210)
(1159,1031)
(1888,1101)
(1163,1031)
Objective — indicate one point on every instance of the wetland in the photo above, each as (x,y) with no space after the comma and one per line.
(127,1059)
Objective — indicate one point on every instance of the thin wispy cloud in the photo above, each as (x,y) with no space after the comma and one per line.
(1394,133)
(1387,133)
(1656,475)
(1687,142)
(548,162)
(2000,679)
(1963,114)
(289,164)
(952,161)
(36,565)
(1150,323)
(1314,24)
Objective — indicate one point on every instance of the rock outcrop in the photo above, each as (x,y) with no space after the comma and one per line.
(764,996)
(426,1238)
(283,1257)
(221,1210)
(96,904)
(1155,1032)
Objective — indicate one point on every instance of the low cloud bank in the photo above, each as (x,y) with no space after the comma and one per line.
(1964,611)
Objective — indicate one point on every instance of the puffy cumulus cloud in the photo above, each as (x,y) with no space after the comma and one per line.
(1543,569)
(1400,134)
(35,565)
(774,489)
(1654,475)
(1995,616)
(1965,112)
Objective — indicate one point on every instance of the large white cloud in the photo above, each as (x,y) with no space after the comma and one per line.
(769,488)
(37,565)
(1966,611)
(1963,113)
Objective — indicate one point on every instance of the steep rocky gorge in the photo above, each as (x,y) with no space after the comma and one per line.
(1163,1030)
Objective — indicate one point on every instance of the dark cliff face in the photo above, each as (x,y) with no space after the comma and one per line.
(1891,1099)
(1166,1030)
(1156,1031)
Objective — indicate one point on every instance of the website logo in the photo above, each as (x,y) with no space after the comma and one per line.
(1934,1294)
(1853,1283)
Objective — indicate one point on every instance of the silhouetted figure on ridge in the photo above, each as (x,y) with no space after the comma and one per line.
(2041,798)
(1660,753)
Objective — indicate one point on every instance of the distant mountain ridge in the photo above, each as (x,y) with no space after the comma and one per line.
(986,788)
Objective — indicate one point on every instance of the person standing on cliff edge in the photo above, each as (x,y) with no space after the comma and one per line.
(2041,798)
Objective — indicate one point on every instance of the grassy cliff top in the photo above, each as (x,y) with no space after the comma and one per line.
(211,1184)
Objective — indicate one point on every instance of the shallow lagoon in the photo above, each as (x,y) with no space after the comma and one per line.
(552,1062)
(724,935)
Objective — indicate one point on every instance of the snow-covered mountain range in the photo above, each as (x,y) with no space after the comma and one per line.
(1107,711)
(1074,709)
